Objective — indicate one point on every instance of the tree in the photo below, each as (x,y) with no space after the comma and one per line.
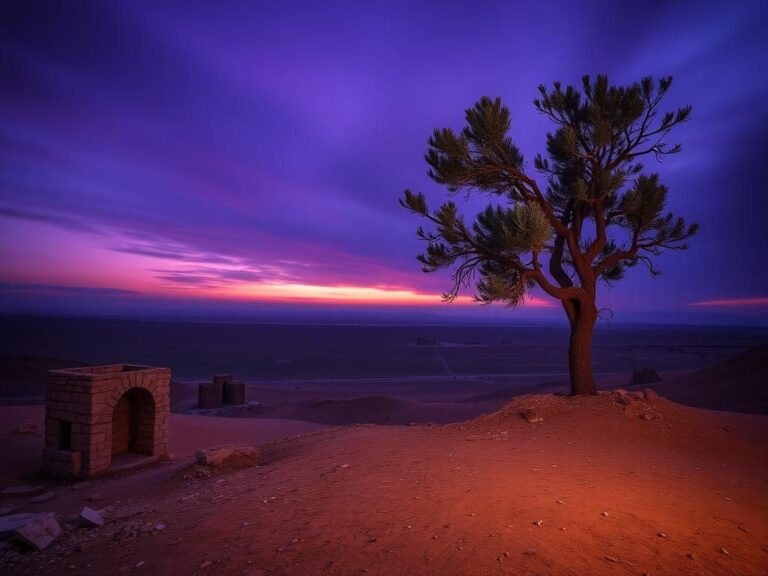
(598,215)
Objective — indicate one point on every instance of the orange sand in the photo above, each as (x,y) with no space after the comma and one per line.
(592,489)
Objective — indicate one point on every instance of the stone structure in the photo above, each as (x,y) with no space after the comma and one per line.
(96,413)
(645,376)
(223,390)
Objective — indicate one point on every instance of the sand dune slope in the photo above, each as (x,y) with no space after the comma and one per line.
(739,385)
(596,487)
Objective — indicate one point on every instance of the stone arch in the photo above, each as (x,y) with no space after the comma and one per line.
(134,423)
(81,404)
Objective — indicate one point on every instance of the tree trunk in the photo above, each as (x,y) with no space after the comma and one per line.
(582,320)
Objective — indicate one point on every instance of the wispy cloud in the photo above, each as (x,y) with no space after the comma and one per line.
(66,222)
(54,289)
(756,302)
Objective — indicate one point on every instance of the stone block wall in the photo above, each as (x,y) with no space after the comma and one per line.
(223,390)
(95,412)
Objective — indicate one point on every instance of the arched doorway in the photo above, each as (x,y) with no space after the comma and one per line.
(133,423)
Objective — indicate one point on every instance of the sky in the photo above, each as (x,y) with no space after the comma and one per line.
(247,157)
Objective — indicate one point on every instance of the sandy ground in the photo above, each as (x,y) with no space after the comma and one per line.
(594,488)
(611,484)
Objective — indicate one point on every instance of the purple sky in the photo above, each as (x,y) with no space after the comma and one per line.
(173,156)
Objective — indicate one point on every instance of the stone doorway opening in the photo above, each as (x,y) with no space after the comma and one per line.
(133,424)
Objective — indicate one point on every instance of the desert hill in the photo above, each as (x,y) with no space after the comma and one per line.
(738,385)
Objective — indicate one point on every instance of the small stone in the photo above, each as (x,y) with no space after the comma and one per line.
(40,531)
(472,514)
(434,536)
(10,522)
(723,551)
(232,458)
(21,491)
(744,529)
(295,541)
(661,535)
(529,552)
(206,564)
(530,415)
(159,527)
(42,498)
(373,539)
(558,501)
(603,513)
(650,394)
(140,563)
(611,559)
(691,556)
(89,517)
(539,522)
(646,416)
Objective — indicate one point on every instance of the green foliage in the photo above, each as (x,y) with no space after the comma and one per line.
(594,179)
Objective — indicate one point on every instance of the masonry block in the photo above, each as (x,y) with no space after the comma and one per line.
(95,413)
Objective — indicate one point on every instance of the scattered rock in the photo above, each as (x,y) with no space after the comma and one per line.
(539,522)
(39,532)
(690,556)
(623,397)
(603,513)
(21,491)
(9,523)
(650,394)
(530,415)
(645,376)
(42,498)
(89,517)
(159,527)
(661,535)
(229,458)
(202,471)
(723,551)
(140,563)
(611,559)
(206,564)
